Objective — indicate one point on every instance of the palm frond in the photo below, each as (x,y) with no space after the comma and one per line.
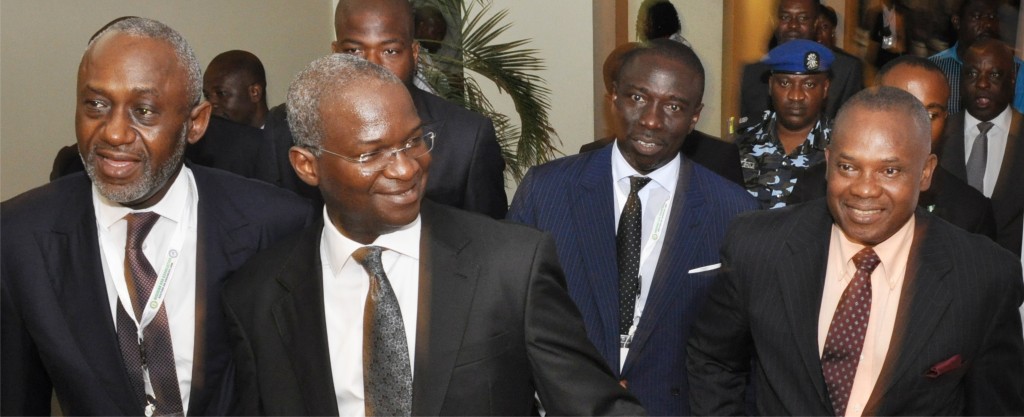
(512,68)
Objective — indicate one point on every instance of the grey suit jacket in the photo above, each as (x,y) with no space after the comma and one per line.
(495,325)
(956,348)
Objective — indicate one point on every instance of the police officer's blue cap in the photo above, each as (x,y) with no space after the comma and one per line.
(800,56)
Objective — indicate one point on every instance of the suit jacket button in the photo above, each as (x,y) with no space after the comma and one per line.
(675,392)
(624,383)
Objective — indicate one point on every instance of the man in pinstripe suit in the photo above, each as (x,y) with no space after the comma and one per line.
(684,210)
(927,326)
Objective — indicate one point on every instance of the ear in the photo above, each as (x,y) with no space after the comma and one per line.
(305,165)
(955,20)
(929,168)
(199,119)
(826,163)
(335,47)
(826,85)
(695,119)
(255,93)
(415,52)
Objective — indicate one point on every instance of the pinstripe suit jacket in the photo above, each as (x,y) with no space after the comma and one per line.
(956,347)
(572,198)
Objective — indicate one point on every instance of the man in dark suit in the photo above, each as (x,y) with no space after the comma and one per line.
(69,277)
(722,158)
(393,307)
(859,304)
(639,284)
(949,198)
(796,20)
(235,84)
(469,168)
(987,86)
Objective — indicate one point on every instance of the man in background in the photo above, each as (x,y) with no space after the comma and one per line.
(638,225)
(983,145)
(235,84)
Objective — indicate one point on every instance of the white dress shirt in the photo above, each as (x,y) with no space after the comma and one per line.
(997,138)
(345,286)
(180,301)
(655,202)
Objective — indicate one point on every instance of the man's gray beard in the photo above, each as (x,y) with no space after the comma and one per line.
(150,181)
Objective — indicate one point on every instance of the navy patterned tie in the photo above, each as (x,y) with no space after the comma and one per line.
(845,340)
(627,244)
(387,373)
(155,351)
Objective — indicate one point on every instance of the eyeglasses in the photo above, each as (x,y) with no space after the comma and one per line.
(379,160)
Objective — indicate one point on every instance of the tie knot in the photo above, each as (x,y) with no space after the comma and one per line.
(369,258)
(866,260)
(984,127)
(139,225)
(638,183)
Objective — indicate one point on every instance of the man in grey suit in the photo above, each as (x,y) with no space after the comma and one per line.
(859,304)
(392,305)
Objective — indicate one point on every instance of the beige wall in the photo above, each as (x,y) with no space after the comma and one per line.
(702,27)
(42,42)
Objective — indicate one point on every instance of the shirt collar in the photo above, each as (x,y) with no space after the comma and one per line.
(339,248)
(171,206)
(1002,121)
(887,251)
(666,176)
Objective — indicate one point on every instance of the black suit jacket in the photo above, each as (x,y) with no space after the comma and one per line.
(847,79)
(56,331)
(960,297)
(1008,196)
(949,198)
(467,169)
(232,147)
(495,324)
(722,158)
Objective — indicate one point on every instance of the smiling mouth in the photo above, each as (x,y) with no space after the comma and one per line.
(859,215)
(645,147)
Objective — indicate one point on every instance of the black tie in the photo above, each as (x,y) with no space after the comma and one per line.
(155,351)
(387,373)
(627,243)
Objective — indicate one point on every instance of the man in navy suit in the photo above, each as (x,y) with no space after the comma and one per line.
(862,303)
(69,279)
(641,327)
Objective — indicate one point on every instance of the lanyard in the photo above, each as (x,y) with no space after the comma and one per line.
(657,231)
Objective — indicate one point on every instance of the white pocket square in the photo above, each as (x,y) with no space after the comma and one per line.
(705,268)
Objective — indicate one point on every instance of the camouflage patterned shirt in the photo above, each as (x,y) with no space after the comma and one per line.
(768,173)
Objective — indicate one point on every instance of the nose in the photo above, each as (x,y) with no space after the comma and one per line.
(865,186)
(650,117)
(796,93)
(373,57)
(117,129)
(402,166)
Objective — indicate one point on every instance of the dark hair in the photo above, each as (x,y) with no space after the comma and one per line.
(662,20)
(910,61)
(888,100)
(668,49)
(828,13)
(243,61)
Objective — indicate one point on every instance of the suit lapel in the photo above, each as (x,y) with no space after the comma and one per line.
(924,299)
(223,242)
(447,284)
(683,228)
(953,158)
(593,216)
(1012,167)
(801,277)
(299,317)
(74,265)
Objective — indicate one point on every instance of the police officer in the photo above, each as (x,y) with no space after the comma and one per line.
(792,135)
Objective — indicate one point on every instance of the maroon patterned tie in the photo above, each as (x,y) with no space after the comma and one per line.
(845,339)
(155,351)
